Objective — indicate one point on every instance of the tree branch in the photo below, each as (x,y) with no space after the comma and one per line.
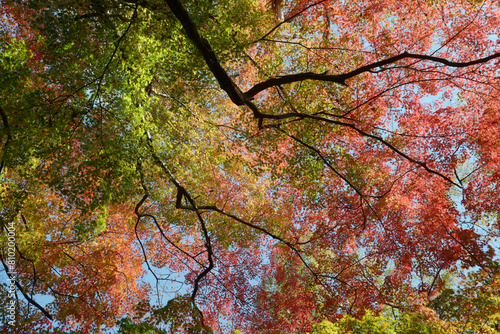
(28,298)
(225,82)
(341,78)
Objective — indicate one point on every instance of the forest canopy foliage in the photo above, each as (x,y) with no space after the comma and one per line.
(198,166)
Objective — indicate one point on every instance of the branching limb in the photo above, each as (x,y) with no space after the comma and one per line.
(25,295)
(364,134)
(101,78)
(342,78)
(290,18)
(181,192)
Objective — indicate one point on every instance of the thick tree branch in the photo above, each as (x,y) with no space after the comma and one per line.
(225,82)
(342,78)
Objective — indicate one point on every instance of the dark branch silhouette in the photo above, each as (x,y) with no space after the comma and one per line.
(342,78)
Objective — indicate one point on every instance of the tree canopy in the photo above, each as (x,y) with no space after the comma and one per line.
(299,166)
